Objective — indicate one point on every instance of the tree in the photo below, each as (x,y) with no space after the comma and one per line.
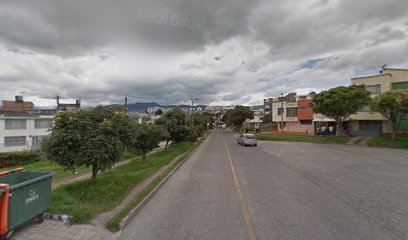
(267,118)
(159,112)
(393,105)
(92,138)
(238,115)
(146,138)
(174,122)
(340,103)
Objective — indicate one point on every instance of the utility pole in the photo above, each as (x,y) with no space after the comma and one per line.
(126,102)
(58,102)
(282,111)
(192,108)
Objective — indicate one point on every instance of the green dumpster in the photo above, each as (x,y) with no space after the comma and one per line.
(29,196)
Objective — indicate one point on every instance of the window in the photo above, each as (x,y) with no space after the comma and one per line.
(14,141)
(15,124)
(291,112)
(43,123)
(365,108)
(399,85)
(302,97)
(306,122)
(303,109)
(281,111)
(373,88)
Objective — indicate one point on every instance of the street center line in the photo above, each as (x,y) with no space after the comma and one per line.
(244,205)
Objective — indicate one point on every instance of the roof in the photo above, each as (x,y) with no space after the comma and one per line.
(371,76)
(396,69)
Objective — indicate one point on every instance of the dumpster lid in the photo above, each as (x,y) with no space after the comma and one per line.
(19,179)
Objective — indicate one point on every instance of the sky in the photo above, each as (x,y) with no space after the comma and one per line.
(222,52)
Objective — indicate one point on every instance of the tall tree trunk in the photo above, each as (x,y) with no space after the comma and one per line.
(167,143)
(95,171)
(339,128)
(393,129)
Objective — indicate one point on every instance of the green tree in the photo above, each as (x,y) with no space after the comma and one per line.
(159,112)
(146,138)
(267,118)
(174,122)
(92,138)
(393,106)
(238,115)
(340,103)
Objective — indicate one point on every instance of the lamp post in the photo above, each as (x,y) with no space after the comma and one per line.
(282,111)
(192,108)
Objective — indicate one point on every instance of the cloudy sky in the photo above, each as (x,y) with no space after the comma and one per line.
(220,51)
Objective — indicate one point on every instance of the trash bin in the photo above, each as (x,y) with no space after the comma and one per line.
(25,196)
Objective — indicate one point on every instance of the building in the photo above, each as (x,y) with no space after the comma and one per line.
(22,127)
(368,123)
(18,105)
(68,107)
(293,114)
(23,131)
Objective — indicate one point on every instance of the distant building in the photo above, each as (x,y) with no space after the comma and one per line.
(367,122)
(292,114)
(68,107)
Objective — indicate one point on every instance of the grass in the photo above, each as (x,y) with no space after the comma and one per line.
(60,172)
(301,138)
(83,200)
(113,224)
(388,142)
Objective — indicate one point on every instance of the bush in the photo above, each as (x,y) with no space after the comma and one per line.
(12,159)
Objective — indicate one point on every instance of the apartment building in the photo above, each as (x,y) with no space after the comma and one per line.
(21,126)
(292,113)
(368,123)
(23,131)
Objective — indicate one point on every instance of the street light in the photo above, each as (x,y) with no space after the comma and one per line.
(282,112)
(192,107)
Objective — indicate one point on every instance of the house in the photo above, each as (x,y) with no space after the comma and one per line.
(293,114)
(368,123)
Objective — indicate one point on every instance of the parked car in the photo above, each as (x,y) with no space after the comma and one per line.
(247,140)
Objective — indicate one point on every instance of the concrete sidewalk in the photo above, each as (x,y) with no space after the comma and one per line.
(52,230)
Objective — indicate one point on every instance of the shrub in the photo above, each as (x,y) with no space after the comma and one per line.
(11,159)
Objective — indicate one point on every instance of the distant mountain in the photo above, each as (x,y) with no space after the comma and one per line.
(141,107)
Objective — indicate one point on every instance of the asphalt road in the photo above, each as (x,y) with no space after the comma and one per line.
(280,191)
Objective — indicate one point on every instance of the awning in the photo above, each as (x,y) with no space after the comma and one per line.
(324,120)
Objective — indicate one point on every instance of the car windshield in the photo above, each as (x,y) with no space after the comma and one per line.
(249,136)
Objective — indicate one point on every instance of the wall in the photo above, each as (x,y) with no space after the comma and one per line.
(305,115)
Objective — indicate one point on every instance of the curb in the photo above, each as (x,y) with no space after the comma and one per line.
(125,222)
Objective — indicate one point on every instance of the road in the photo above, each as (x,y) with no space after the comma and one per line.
(280,190)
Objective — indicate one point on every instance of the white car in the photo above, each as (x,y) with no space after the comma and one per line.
(247,140)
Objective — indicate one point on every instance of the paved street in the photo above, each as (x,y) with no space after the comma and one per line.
(280,191)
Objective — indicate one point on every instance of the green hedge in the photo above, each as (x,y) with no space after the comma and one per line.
(12,159)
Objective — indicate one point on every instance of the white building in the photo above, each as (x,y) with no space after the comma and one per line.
(23,131)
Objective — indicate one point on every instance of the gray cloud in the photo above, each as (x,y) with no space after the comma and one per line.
(228,51)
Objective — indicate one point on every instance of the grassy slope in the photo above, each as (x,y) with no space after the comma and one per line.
(60,172)
(399,142)
(300,138)
(85,199)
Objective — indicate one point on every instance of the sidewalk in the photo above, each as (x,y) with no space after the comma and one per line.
(52,230)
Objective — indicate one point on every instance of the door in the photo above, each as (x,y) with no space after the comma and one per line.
(369,128)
